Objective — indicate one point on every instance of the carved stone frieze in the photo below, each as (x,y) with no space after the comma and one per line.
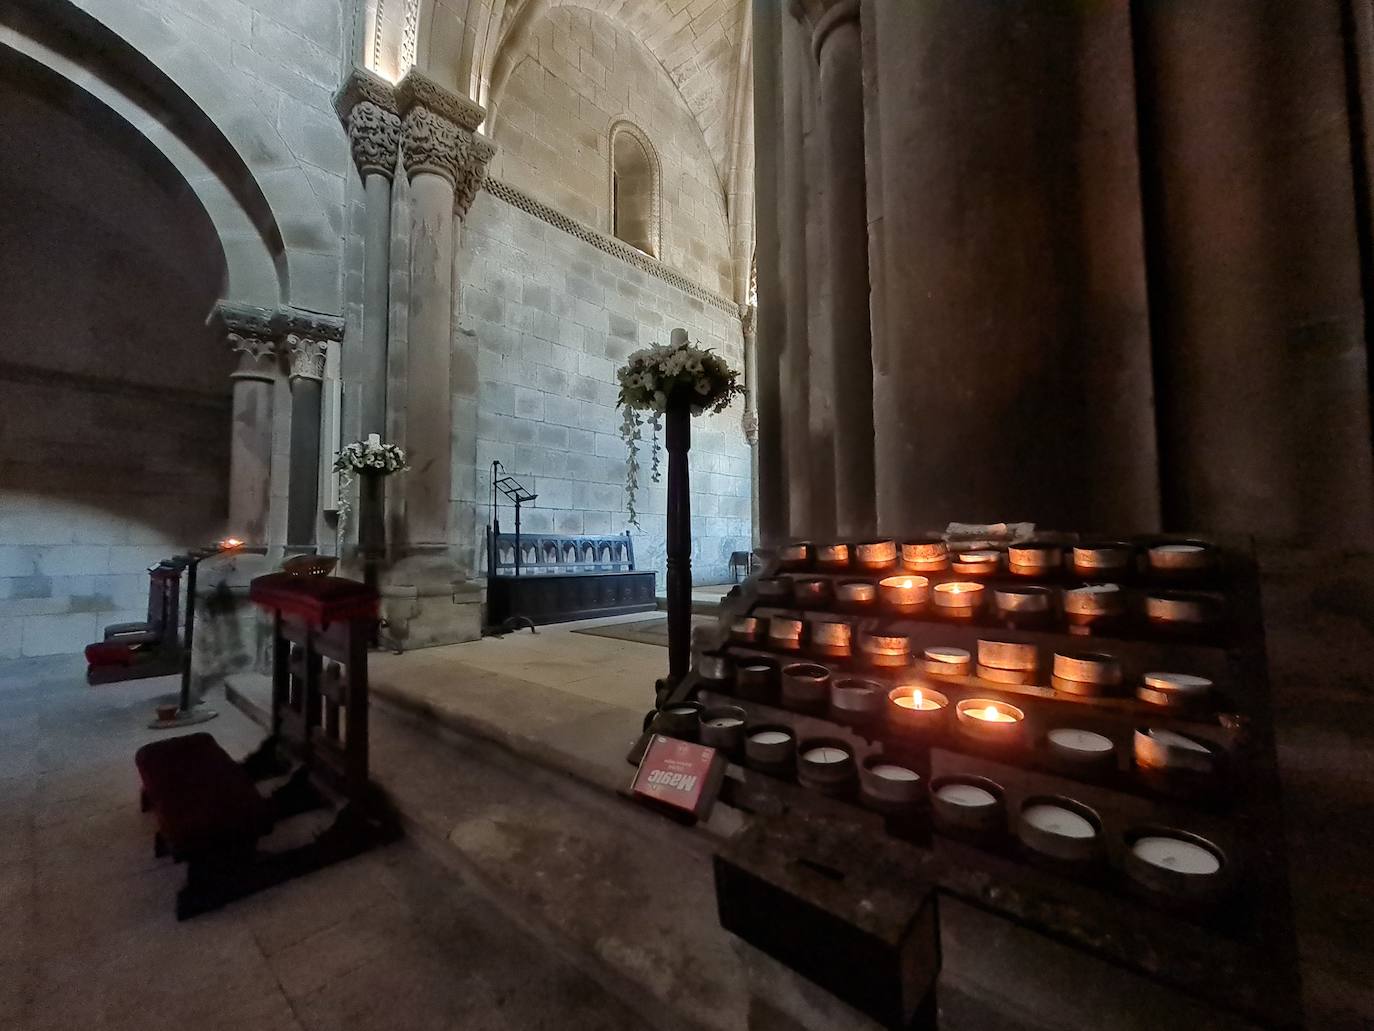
(307,324)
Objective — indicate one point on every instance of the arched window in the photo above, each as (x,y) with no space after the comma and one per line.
(634,188)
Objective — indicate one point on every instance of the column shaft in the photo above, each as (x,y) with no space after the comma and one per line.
(250,458)
(846,337)
(303,498)
(376,304)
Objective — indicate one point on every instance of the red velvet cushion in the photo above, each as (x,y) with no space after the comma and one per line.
(109,653)
(203,799)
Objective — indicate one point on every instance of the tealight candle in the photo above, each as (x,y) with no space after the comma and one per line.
(856,594)
(1060,828)
(745,629)
(831,638)
(968,804)
(1161,749)
(1107,558)
(885,650)
(825,765)
(888,786)
(904,594)
(832,556)
(770,748)
(988,719)
(916,708)
(1082,747)
(1180,557)
(1174,608)
(959,600)
(976,563)
(795,555)
(1177,689)
(678,720)
(812,593)
(855,701)
(825,755)
(927,555)
(944,661)
(805,686)
(785,633)
(756,679)
(722,727)
(1093,603)
(875,555)
(1034,559)
(1175,863)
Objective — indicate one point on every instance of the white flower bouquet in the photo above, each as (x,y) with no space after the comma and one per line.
(657,377)
(371,456)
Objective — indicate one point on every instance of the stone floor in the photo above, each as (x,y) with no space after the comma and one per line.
(389,940)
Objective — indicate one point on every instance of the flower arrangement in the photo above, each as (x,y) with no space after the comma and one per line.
(371,456)
(655,377)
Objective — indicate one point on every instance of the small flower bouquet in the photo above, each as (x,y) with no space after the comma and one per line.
(657,377)
(371,456)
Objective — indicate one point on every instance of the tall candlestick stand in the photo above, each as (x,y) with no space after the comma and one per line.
(678,434)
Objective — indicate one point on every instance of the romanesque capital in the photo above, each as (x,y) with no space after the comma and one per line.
(367,106)
(435,145)
(307,357)
(248,331)
(418,90)
(749,422)
(748,319)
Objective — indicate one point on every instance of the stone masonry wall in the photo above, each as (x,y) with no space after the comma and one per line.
(583,73)
(554,316)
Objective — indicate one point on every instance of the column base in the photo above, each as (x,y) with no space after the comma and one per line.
(427,600)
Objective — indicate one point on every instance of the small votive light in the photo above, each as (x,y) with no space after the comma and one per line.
(904,593)
(230,543)
(916,708)
(989,719)
(960,598)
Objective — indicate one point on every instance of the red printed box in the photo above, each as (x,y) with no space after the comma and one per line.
(679,775)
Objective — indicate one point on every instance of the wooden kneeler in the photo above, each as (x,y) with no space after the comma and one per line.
(209,810)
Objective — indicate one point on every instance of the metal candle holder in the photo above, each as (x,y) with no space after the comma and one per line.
(811,593)
(756,679)
(925,555)
(832,557)
(976,563)
(1057,834)
(889,786)
(1181,558)
(805,687)
(970,805)
(746,629)
(774,590)
(885,650)
(1086,674)
(785,633)
(796,555)
(722,727)
(1103,559)
(855,701)
(1173,690)
(1035,559)
(916,707)
(972,720)
(679,720)
(1091,604)
(770,748)
(875,556)
(1175,608)
(856,595)
(1024,606)
(1167,751)
(832,639)
(904,594)
(1193,868)
(715,667)
(958,600)
(945,661)
(834,777)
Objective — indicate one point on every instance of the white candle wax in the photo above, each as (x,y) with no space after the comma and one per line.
(725,721)
(1168,737)
(978,556)
(770,737)
(1096,589)
(1176,854)
(1179,683)
(966,794)
(1179,549)
(1055,819)
(890,771)
(991,714)
(680,710)
(1080,740)
(953,655)
(756,669)
(825,754)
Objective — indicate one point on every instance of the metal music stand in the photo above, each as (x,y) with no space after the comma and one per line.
(518,495)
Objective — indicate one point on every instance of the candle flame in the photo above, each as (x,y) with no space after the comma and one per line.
(230,543)
(992,714)
(916,699)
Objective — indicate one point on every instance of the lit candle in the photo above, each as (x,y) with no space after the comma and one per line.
(917,700)
(959,597)
(230,543)
(904,593)
(1176,854)
(989,719)
(916,708)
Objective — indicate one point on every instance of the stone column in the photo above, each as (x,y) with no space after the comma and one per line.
(427,595)
(304,337)
(445,161)
(837,47)
(367,107)
(250,335)
(749,420)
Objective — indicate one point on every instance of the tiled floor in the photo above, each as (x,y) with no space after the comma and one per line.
(386,941)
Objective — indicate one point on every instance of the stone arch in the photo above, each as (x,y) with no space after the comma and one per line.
(633,163)
(227,151)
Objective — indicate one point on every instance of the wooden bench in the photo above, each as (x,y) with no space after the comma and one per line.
(563,577)
(209,814)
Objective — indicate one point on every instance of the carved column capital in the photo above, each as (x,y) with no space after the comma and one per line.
(748,319)
(248,331)
(303,336)
(749,422)
(307,357)
(367,106)
(438,137)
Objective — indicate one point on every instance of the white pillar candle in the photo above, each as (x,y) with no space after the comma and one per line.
(890,771)
(966,794)
(1053,819)
(1177,855)
(825,754)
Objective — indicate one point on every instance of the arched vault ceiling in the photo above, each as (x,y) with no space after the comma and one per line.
(696,41)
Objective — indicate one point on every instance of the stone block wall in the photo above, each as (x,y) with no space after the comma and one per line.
(81,520)
(554,316)
(581,74)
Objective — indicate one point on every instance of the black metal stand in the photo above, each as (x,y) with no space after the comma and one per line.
(188,714)
(678,438)
(518,495)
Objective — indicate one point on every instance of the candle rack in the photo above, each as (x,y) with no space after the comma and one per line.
(1146,643)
